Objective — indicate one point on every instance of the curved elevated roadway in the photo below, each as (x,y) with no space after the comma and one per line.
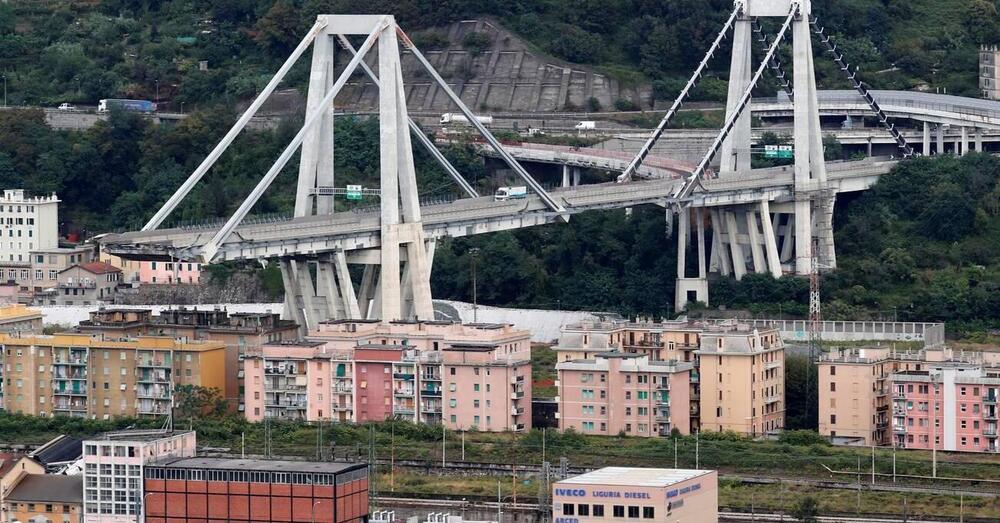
(352,231)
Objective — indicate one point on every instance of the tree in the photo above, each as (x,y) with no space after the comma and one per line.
(279,29)
(476,42)
(192,401)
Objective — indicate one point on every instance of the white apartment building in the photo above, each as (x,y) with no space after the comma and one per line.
(113,470)
(27,223)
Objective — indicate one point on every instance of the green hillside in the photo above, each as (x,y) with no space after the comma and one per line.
(54,51)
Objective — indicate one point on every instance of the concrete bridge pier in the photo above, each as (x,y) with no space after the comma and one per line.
(694,288)
(965,141)
(979,139)
(927,139)
(940,139)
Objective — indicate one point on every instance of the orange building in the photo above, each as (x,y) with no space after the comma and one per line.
(87,376)
(247,490)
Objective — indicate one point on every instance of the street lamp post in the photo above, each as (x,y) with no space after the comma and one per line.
(314,510)
(4,90)
(157,90)
(473,254)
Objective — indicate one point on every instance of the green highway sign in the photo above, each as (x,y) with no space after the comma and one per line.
(779,151)
(353,192)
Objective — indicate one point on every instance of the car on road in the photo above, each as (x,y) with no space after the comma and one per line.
(66,107)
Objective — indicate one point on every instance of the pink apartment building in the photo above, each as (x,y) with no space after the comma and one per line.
(155,272)
(468,376)
(947,406)
(619,393)
(749,396)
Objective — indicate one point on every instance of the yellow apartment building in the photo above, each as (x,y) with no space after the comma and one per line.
(742,377)
(89,376)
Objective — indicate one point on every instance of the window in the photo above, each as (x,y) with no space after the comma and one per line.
(833,370)
(833,418)
(568,509)
(583,509)
(833,386)
(642,395)
(598,511)
(475,387)
(633,512)
(588,425)
(647,512)
(618,511)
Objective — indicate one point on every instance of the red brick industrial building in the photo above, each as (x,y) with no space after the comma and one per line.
(213,490)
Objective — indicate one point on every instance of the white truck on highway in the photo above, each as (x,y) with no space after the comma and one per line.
(510,193)
(586,126)
(448,118)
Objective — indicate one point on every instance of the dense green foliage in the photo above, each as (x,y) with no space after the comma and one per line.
(82,51)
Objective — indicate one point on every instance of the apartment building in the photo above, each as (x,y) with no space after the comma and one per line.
(27,223)
(40,271)
(242,333)
(114,467)
(83,375)
(45,498)
(155,272)
(854,390)
(466,376)
(18,318)
(753,359)
(94,283)
(948,405)
(742,377)
(620,393)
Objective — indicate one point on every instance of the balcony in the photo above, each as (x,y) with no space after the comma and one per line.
(72,360)
(69,407)
(281,371)
(663,416)
(153,378)
(342,407)
(403,393)
(899,429)
(772,365)
(155,410)
(517,394)
(881,424)
(402,411)
(405,376)
(71,391)
(663,385)
(286,404)
(990,432)
(772,399)
(155,364)
(898,395)
(343,389)
(898,411)
(516,380)
(430,377)
(695,378)
(153,394)
(430,409)
(990,415)
(516,411)
(431,393)
(990,400)
(519,427)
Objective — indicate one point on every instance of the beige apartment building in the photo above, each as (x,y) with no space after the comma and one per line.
(752,398)
(242,333)
(21,319)
(742,380)
(87,376)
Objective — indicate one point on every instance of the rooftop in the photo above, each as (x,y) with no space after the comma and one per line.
(95,268)
(139,435)
(46,488)
(17,310)
(323,467)
(59,449)
(634,477)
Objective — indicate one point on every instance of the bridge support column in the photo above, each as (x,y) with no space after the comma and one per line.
(788,238)
(683,228)
(293,311)
(940,139)
(733,237)
(565,175)
(753,232)
(770,243)
(699,215)
(965,141)
(720,255)
(927,139)
(979,140)
(576,176)
(734,156)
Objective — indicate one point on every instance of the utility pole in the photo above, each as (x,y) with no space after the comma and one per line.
(815,315)
(444,433)
(4,90)
(873,464)
(473,254)
(697,450)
